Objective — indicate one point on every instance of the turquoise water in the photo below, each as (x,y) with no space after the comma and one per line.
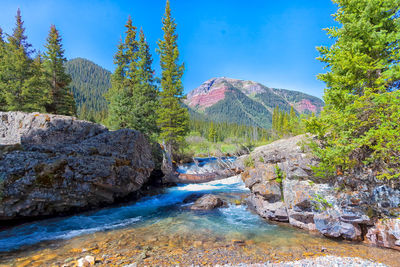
(164,210)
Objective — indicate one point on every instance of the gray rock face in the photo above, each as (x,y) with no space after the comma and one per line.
(207,202)
(335,210)
(58,164)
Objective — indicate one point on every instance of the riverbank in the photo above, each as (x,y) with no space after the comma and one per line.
(162,230)
(148,246)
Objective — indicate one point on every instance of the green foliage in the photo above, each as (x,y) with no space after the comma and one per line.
(15,68)
(212,133)
(287,124)
(61,98)
(228,132)
(279,173)
(33,84)
(89,84)
(238,108)
(359,124)
(320,203)
(249,162)
(133,95)
(173,118)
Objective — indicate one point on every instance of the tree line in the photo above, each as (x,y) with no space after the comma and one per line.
(228,132)
(288,124)
(33,81)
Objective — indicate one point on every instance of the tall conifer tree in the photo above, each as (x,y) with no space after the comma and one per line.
(173,119)
(123,81)
(16,67)
(145,93)
(37,97)
(61,98)
(2,69)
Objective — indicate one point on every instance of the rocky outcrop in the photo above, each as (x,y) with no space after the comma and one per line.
(52,165)
(207,202)
(284,189)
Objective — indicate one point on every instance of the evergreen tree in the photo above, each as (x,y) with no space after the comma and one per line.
(2,69)
(15,67)
(359,124)
(212,133)
(293,121)
(172,117)
(117,95)
(144,98)
(133,95)
(61,98)
(275,119)
(37,95)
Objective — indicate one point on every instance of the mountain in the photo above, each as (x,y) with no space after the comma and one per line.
(89,84)
(247,102)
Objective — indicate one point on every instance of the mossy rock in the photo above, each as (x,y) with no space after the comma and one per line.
(4,149)
(48,174)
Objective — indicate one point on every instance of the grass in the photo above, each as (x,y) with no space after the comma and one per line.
(203,148)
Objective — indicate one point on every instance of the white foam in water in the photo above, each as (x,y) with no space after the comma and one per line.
(74,233)
(234,182)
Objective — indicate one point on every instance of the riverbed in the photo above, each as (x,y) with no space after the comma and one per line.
(162,230)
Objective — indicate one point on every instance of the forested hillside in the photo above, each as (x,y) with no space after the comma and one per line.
(247,102)
(89,84)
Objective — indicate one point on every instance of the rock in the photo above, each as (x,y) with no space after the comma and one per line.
(340,210)
(329,224)
(275,211)
(90,259)
(198,244)
(385,233)
(207,202)
(86,261)
(67,165)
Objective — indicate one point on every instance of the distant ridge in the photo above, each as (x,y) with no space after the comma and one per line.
(247,102)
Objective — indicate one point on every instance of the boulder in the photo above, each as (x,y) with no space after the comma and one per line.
(275,211)
(329,224)
(207,202)
(385,233)
(60,165)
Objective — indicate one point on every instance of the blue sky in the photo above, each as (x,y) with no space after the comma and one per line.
(272,42)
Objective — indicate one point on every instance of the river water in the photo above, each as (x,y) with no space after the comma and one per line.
(166,223)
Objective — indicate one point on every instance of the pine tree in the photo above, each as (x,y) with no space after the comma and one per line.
(117,96)
(2,69)
(172,117)
(61,98)
(275,119)
(212,133)
(145,92)
(293,122)
(15,67)
(133,96)
(359,124)
(123,81)
(37,95)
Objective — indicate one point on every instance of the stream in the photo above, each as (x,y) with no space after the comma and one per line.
(165,221)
